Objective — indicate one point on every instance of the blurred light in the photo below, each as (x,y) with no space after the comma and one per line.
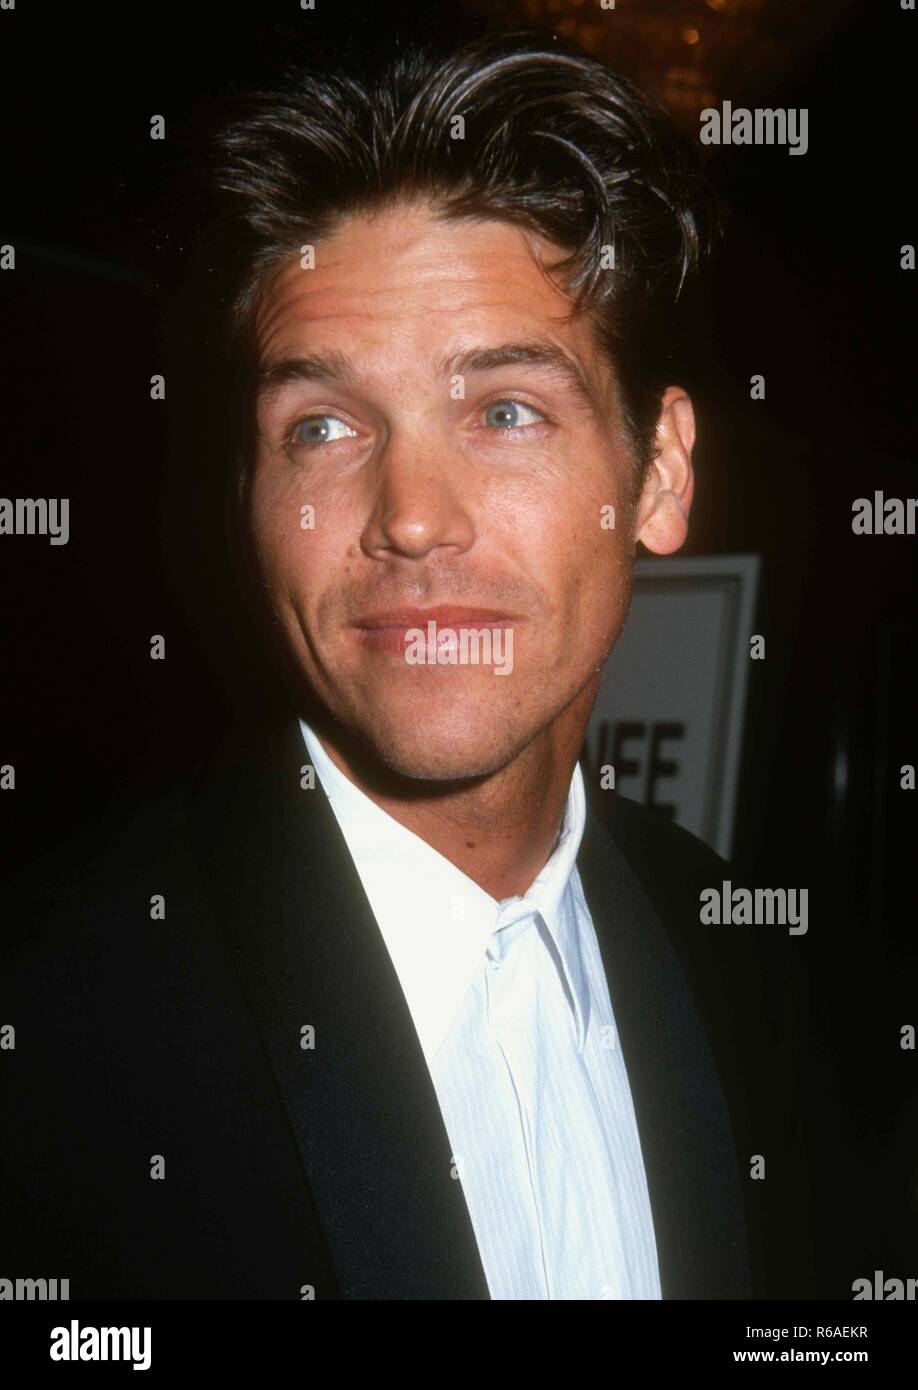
(676,49)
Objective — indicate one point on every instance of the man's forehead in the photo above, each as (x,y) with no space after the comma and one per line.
(409,271)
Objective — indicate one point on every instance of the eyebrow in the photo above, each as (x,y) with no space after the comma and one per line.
(331,366)
(336,367)
(535,354)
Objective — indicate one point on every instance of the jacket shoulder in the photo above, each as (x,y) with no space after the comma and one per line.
(673,865)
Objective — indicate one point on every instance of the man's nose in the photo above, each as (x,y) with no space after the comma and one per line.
(418,503)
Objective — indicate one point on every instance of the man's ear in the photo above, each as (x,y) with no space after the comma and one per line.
(666,497)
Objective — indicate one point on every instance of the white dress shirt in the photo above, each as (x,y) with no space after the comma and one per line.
(512,1011)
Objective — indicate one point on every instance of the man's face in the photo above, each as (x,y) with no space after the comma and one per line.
(428,393)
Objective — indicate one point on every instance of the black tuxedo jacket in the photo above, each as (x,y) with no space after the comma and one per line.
(171,1044)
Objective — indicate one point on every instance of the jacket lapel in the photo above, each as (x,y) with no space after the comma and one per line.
(686,1137)
(360,1101)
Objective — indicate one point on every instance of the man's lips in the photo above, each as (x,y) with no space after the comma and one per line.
(445,616)
(388,629)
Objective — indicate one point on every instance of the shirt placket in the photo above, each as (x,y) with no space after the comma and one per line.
(512,983)
(519,1011)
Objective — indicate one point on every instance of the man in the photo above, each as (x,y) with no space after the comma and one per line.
(391,1002)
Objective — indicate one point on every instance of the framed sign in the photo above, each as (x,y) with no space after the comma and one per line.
(668,720)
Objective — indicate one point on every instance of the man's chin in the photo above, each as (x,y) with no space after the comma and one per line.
(456,746)
(424,765)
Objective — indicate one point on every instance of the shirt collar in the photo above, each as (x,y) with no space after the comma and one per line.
(435,920)
(553,896)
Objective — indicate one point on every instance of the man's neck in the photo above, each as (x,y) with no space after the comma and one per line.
(499,830)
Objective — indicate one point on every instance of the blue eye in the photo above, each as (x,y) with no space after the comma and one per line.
(508,415)
(321,429)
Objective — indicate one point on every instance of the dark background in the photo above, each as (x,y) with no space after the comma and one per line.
(807,291)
